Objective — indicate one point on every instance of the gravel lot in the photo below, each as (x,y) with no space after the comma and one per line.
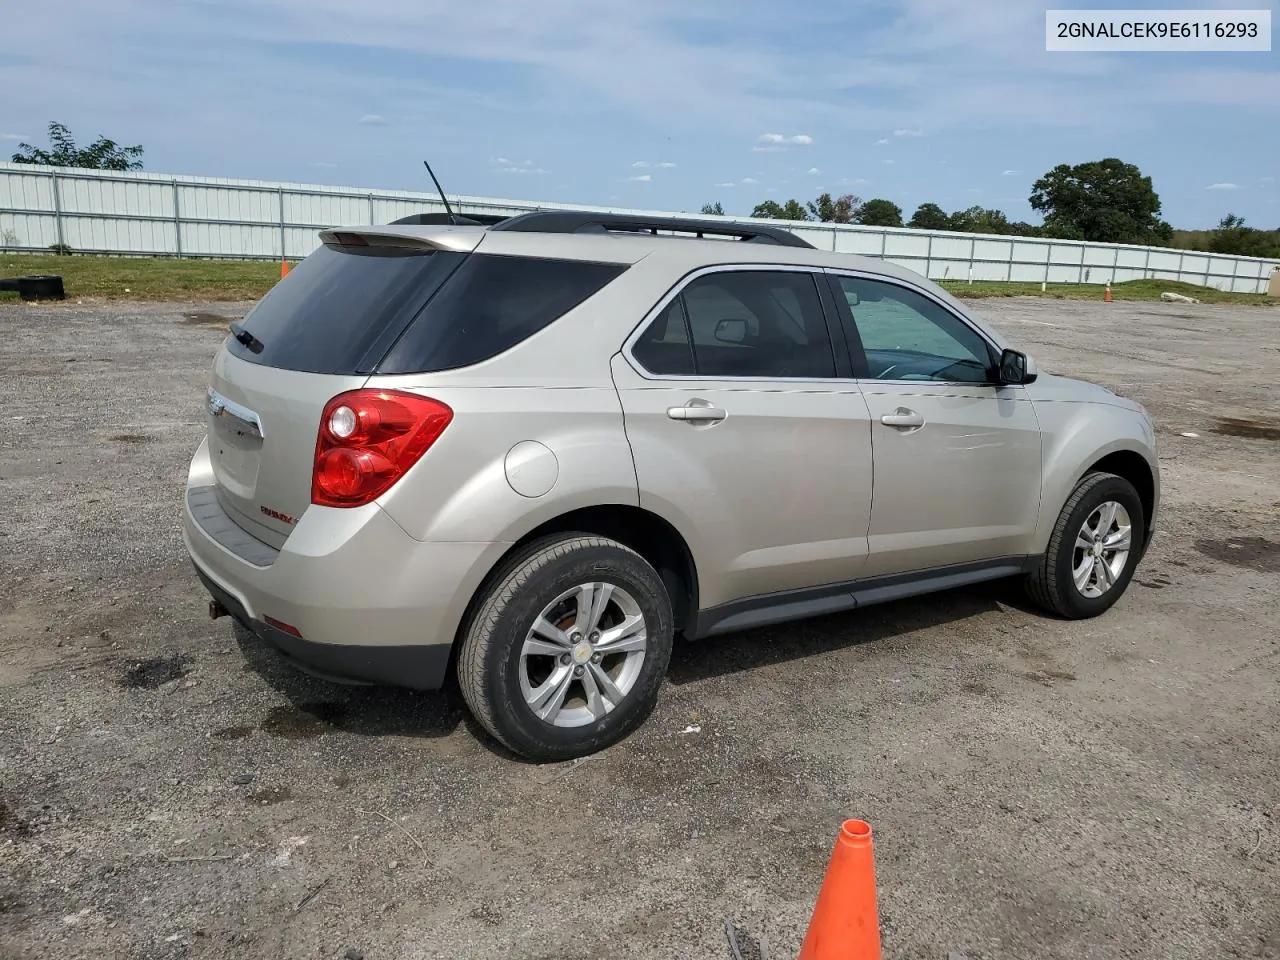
(1037,788)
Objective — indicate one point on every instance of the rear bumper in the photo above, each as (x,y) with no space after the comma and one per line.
(419,667)
(369,603)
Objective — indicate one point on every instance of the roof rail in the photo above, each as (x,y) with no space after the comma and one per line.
(443,219)
(576,221)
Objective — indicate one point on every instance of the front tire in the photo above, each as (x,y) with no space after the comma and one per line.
(567,648)
(1094,548)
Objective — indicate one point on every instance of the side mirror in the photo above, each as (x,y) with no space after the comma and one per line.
(852,298)
(1016,368)
(731,331)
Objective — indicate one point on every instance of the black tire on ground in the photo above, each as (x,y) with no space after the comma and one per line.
(489,661)
(41,288)
(1051,584)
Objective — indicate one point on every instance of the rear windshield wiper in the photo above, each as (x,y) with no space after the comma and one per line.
(247,338)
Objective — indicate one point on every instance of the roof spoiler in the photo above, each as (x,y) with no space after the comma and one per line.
(460,240)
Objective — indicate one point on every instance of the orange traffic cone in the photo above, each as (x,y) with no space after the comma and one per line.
(1106,297)
(846,918)
(284,268)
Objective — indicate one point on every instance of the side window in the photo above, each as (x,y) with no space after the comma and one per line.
(490,304)
(758,323)
(663,349)
(907,336)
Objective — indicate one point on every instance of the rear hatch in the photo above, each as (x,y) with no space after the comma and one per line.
(320,331)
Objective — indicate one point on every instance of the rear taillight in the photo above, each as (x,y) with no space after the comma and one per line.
(368,440)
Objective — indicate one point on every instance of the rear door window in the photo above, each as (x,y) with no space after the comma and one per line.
(489,305)
(339,303)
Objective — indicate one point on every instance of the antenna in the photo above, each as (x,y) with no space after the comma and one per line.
(447,209)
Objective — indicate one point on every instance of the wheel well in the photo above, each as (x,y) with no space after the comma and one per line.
(648,535)
(1133,467)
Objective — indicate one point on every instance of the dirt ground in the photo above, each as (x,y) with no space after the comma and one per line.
(1037,788)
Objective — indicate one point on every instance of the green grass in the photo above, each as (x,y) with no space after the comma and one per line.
(146,278)
(1129,290)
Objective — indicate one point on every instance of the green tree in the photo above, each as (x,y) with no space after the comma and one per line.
(772,210)
(102,154)
(840,210)
(1108,201)
(879,213)
(713,209)
(979,220)
(930,216)
(1234,238)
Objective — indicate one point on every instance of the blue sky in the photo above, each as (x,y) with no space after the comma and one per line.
(664,105)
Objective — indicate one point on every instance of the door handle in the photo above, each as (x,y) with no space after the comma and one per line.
(696,411)
(903,419)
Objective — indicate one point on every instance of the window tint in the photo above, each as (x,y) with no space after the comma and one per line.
(907,336)
(663,348)
(758,323)
(490,304)
(336,304)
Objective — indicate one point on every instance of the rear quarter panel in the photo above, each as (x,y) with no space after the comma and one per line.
(572,452)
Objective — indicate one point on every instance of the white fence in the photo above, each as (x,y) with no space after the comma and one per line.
(148,214)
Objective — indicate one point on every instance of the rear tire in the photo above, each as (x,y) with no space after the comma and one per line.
(1086,568)
(589,675)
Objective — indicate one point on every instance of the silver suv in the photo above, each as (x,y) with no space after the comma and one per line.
(527,454)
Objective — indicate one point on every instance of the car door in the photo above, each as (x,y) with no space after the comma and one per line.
(748,432)
(957,456)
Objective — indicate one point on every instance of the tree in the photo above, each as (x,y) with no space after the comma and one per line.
(102,154)
(979,220)
(1235,239)
(713,209)
(1108,201)
(772,210)
(879,213)
(840,210)
(930,216)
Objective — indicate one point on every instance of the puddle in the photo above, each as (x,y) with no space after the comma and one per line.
(306,722)
(155,672)
(1252,553)
(1253,429)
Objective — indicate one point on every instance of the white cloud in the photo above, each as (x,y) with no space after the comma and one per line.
(640,164)
(748,180)
(855,182)
(887,160)
(1008,173)
(1267,179)
(770,149)
(905,132)
(643,178)
(502,161)
(522,170)
(799,139)
(324,164)
(14,136)
(728,183)
(1223,186)
(813,171)
(373,120)
(881,143)
(666,165)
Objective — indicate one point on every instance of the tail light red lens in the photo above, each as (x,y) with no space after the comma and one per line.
(368,440)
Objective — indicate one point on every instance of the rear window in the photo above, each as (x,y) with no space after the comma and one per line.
(490,304)
(338,310)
